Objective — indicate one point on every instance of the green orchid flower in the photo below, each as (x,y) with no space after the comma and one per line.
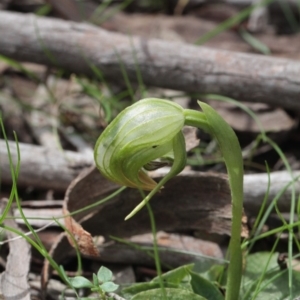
(136,138)
(147,135)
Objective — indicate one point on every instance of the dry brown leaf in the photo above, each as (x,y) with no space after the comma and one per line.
(80,238)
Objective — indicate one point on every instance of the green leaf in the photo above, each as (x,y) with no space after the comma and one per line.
(104,274)
(137,288)
(179,276)
(80,282)
(254,42)
(205,288)
(263,278)
(109,286)
(214,273)
(44,10)
(171,294)
(63,273)
(95,280)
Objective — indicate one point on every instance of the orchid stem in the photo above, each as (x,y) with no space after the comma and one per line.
(231,152)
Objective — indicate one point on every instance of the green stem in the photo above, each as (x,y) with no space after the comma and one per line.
(196,119)
(156,252)
(211,122)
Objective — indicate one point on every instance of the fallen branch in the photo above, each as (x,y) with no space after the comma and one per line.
(42,167)
(255,188)
(76,47)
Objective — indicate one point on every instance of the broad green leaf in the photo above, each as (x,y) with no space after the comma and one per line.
(205,288)
(137,288)
(264,280)
(109,286)
(80,282)
(180,275)
(171,294)
(104,274)
(215,273)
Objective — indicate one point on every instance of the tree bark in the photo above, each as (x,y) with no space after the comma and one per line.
(77,47)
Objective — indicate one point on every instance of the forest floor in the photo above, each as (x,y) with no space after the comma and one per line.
(67,68)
